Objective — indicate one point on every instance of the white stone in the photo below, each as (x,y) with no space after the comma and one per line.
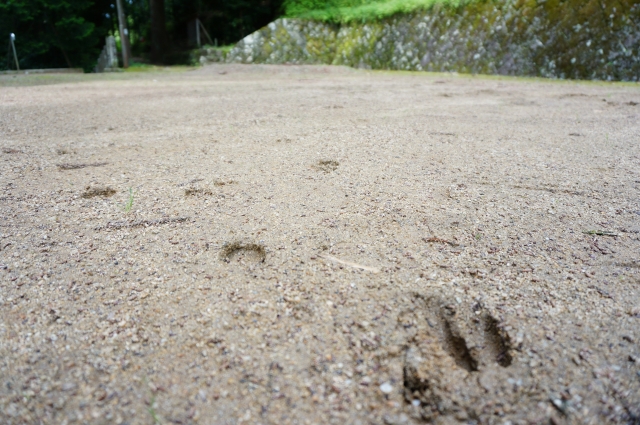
(386,388)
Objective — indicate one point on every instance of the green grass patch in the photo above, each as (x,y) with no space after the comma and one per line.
(129,74)
(511,78)
(143,67)
(224,49)
(359,10)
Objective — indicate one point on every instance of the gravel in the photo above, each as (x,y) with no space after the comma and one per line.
(291,244)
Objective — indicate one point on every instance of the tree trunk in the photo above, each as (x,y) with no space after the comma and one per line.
(159,41)
(124,35)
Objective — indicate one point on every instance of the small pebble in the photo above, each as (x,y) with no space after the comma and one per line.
(386,388)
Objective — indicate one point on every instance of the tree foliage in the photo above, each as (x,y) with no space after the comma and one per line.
(71,33)
(52,33)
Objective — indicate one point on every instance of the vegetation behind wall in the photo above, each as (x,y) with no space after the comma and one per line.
(357,10)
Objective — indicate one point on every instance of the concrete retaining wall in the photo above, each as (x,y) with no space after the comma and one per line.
(552,38)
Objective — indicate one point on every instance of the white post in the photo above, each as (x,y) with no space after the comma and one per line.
(13,46)
(112,53)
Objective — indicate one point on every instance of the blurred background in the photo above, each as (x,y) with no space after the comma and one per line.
(580,39)
(71,33)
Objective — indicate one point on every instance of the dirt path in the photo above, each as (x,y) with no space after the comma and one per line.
(318,245)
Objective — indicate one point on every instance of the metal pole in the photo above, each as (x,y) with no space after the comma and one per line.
(13,46)
(198,32)
(206,33)
(124,35)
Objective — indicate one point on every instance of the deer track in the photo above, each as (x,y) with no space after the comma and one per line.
(458,362)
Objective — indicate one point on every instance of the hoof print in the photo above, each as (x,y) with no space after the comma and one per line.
(103,192)
(455,362)
(327,166)
(223,182)
(243,252)
(197,192)
(498,342)
(455,344)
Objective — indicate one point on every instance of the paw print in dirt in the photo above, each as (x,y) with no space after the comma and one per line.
(459,366)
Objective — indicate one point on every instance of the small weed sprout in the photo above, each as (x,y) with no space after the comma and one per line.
(152,411)
(129,203)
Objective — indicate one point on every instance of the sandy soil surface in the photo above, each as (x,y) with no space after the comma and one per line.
(312,245)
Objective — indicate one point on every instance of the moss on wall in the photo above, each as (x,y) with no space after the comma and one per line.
(549,38)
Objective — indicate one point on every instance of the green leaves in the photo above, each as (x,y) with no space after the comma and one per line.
(50,33)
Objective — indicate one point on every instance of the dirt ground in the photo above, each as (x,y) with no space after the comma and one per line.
(314,245)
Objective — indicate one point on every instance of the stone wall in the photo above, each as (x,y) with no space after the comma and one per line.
(548,38)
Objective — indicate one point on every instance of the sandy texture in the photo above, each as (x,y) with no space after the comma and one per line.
(318,245)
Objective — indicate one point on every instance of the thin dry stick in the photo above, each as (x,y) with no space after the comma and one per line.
(440,240)
(350,264)
(141,223)
(78,166)
(600,233)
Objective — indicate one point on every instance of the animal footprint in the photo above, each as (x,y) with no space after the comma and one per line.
(241,252)
(471,337)
(103,192)
(327,166)
(458,363)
